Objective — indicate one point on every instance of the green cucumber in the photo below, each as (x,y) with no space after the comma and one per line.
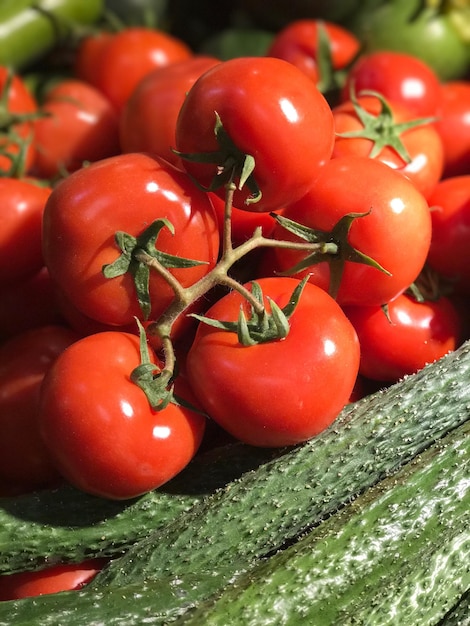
(398,554)
(179,566)
(67,525)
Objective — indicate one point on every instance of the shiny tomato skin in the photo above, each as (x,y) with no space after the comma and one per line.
(163,90)
(399,77)
(52,579)
(80,125)
(25,462)
(453,126)
(23,202)
(396,232)
(124,193)
(422,143)
(100,428)
(271,111)
(280,392)
(449,252)
(411,335)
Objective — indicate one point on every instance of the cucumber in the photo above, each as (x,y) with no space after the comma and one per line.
(179,566)
(399,554)
(66,525)
(459,615)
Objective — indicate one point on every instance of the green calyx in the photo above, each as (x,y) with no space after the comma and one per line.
(338,250)
(139,255)
(233,165)
(382,129)
(260,326)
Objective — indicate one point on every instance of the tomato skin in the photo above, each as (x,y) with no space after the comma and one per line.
(271,111)
(422,143)
(279,392)
(52,579)
(23,203)
(396,233)
(100,428)
(449,252)
(163,90)
(415,334)
(81,125)
(124,193)
(24,360)
(453,126)
(399,77)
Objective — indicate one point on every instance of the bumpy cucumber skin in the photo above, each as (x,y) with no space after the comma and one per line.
(68,526)
(221,537)
(399,554)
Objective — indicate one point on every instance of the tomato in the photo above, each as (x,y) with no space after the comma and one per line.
(124,193)
(280,392)
(394,230)
(24,360)
(411,335)
(163,90)
(100,428)
(17,109)
(453,126)
(422,144)
(80,126)
(52,579)
(23,202)
(270,110)
(449,252)
(123,59)
(399,77)
(87,53)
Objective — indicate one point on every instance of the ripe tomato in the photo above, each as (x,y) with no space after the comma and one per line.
(414,334)
(99,427)
(449,252)
(399,77)
(453,126)
(24,360)
(122,60)
(163,90)
(23,202)
(422,143)
(272,111)
(126,193)
(395,230)
(280,392)
(52,579)
(80,125)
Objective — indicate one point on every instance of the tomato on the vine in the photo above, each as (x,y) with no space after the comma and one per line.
(268,109)
(278,392)
(100,428)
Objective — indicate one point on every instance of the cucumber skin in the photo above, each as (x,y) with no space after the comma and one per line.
(183,564)
(398,554)
(459,615)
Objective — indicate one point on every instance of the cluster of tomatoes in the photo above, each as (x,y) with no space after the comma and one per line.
(250,243)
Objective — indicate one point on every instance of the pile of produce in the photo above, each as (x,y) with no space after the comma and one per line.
(234,332)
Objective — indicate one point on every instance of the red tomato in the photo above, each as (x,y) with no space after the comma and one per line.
(87,53)
(124,193)
(24,360)
(298,43)
(272,111)
(453,126)
(52,579)
(122,60)
(400,78)
(395,233)
(280,392)
(449,253)
(422,143)
(100,429)
(81,125)
(414,334)
(22,202)
(163,90)
(16,135)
